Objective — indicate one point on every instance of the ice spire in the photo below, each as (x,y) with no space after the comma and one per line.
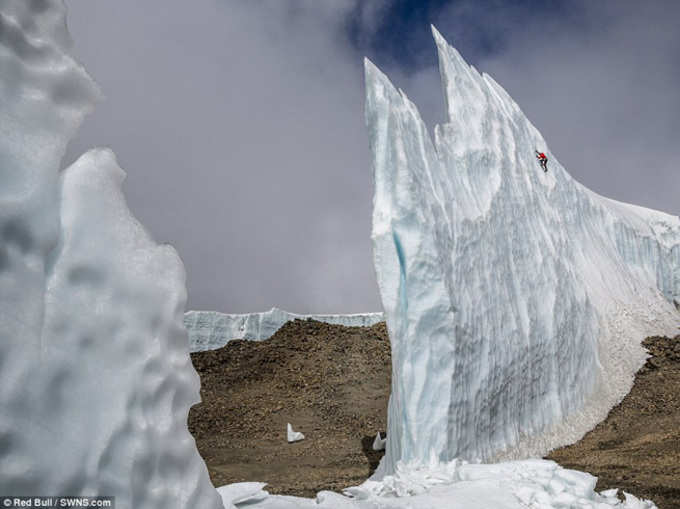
(515,300)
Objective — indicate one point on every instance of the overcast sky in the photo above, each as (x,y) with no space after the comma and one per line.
(240,122)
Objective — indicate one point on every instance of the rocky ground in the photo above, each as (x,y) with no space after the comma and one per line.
(332,383)
(637,448)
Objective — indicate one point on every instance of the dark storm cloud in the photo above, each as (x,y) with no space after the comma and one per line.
(240,123)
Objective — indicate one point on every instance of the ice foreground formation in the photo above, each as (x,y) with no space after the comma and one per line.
(527,484)
(209,330)
(95,376)
(515,300)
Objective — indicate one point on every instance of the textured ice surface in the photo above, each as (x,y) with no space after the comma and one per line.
(95,376)
(209,330)
(515,300)
(528,484)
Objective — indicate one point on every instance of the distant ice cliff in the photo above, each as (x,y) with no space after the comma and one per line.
(209,330)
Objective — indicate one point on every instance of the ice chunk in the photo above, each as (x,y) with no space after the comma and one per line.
(242,493)
(96,376)
(379,443)
(635,503)
(293,436)
(515,300)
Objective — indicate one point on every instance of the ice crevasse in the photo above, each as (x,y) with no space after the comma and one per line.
(95,376)
(515,300)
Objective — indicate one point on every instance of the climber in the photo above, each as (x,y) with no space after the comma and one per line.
(543,160)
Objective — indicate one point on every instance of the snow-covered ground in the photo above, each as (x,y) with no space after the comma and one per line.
(505,290)
(209,330)
(527,484)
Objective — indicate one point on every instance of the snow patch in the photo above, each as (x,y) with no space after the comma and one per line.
(242,493)
(528,484)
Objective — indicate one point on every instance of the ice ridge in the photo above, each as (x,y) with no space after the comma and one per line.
(515,300)
(209,330)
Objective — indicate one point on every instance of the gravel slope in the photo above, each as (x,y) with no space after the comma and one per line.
(332,383)
(637,448)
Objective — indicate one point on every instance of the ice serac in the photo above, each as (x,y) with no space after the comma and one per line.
(95,376)
(515,300)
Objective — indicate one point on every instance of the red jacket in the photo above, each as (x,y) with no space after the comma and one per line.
(541,155)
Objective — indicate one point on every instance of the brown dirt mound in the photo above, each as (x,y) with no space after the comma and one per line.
(332,383)
(637,447)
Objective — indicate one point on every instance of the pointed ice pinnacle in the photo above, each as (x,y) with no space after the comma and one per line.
(379,443)
(515,301)
(293,436)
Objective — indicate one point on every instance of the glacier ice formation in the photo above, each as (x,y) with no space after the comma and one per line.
(95,376)
(209,330)
(515,300)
